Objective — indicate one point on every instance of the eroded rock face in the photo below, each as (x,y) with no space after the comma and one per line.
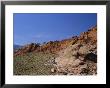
(79,58)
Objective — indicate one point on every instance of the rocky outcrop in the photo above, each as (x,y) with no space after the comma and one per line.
(49,47)
(79,58)
(26,49)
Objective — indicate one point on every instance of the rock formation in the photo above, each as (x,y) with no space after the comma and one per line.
(79,58)
(75,56)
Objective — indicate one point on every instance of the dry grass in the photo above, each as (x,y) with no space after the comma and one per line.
(33,64)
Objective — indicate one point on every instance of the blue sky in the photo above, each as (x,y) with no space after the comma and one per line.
(44,27)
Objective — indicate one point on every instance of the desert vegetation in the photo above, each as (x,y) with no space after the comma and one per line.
(33,64)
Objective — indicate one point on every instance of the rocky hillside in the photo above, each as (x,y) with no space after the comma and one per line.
(49,47)
(75,56)
(79,58)
(56,46)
